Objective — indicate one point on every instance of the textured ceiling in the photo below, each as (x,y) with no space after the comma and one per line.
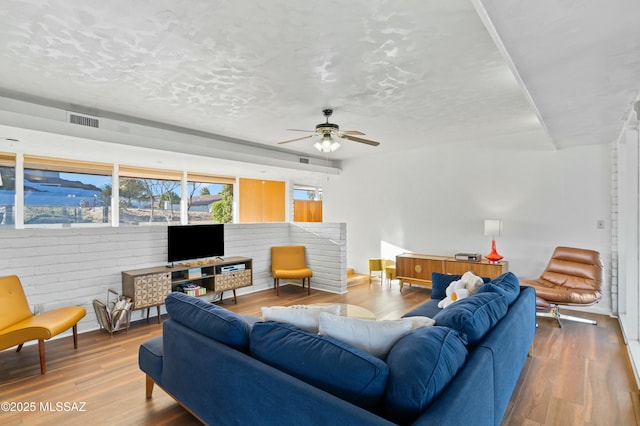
(407,73)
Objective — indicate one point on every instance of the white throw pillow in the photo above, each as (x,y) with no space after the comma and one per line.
(306,317)
(418,322)
(375,337)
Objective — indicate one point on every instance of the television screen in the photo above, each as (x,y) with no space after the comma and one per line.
(187,242)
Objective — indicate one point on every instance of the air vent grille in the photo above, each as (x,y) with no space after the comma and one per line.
(83,120)
(304,160)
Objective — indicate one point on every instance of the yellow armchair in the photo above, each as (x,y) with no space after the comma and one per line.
(389,270)
(375,265)
(290,262)
(19,325)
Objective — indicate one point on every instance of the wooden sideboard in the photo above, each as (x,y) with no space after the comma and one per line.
(417,268)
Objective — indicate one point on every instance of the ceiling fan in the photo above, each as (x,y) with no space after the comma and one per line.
(326,130)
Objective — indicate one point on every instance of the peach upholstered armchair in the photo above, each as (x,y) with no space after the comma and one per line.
(573,277)
(290,262)
(19,325)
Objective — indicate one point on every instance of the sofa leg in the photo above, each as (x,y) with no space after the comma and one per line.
(277,286)
(19,347)
(43,363)
(149,387)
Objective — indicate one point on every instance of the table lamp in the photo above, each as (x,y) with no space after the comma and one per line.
(492,228)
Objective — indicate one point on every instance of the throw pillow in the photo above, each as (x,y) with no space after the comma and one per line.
(475,315)
(374,337)
(419,321)
(326,363)
(306,317)
(421,364)
(440,282)
(208,319)
(506,284)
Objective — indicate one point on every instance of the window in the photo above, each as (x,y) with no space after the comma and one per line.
(307,193)
(58,191)
(209,199)
(7,189)
(148,196)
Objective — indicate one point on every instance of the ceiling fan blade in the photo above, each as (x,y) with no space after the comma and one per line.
(353,132)
(300,130)
(296,139)
(361,140)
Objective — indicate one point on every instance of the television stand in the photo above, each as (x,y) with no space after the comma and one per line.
(149,287)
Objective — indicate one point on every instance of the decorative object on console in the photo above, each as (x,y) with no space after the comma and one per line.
(493,229)
(469,257)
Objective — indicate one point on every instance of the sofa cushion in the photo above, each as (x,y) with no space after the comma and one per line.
(474,315)
(506,284)
(306,317)
(326,363)
(427,309)
(208,319)
(374,337)
(421,364)
(440,282)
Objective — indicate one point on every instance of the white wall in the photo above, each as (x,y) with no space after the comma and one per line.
(435,200)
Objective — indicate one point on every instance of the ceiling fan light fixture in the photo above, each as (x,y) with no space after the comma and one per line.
(326,144)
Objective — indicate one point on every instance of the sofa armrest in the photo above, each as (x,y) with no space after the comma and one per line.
(452,408)
(221,385)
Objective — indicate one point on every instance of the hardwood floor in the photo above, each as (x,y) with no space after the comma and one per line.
(578,374)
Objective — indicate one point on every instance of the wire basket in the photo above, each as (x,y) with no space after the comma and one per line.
(114,315)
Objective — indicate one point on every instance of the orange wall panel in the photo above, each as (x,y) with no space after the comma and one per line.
(261,201)
(307,211)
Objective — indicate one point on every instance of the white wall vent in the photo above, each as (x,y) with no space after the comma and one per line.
(83,120)
(304,160)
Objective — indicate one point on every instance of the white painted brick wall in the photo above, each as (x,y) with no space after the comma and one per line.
(326,253)
(73,266)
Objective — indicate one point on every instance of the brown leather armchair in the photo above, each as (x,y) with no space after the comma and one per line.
(19,325)
(573,277)
(290,262)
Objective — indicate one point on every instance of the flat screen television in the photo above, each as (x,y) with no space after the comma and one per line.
(188,242)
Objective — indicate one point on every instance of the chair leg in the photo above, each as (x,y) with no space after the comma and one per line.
(277,286)
(75,336)
(43,362)
(555,313)
(308,285)
(19,347)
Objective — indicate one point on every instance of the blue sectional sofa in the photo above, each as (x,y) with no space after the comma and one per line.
(232,369)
